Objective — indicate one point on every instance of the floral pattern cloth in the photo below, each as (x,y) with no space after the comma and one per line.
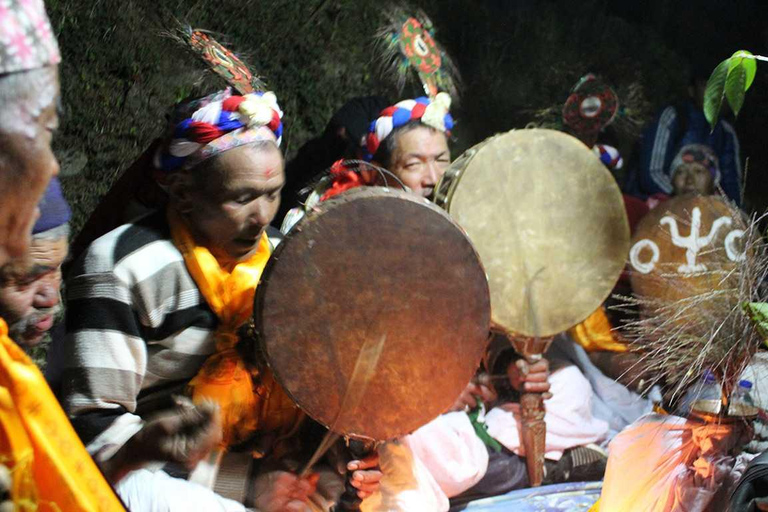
(26,39)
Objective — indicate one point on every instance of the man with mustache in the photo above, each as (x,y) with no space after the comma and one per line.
(29,286)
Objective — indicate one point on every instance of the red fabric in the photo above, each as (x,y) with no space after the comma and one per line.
(274,124)
(388,112)
(418,111)
(232,103)
(372,143)
(345,179)
(202,133)
(636,210)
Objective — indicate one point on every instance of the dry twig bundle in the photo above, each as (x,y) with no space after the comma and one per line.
(702,324)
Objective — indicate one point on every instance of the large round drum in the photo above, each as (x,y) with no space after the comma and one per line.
(548,221)
(374,269)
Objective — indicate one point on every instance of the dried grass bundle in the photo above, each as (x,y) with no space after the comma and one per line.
(703,324)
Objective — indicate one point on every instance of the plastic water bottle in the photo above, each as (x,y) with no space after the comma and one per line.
(741,403)
(707,395)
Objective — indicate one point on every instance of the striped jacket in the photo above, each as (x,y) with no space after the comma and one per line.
(137,327)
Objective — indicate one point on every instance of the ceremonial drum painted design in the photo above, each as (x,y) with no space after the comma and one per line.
(374,267)
(549,223)
(687,246)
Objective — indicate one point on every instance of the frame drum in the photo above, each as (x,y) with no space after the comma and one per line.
(377,265)
(548,221)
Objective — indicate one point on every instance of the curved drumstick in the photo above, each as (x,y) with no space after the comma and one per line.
(365,368)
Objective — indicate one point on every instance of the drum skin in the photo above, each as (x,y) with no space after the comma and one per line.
(374,264)
(548,221)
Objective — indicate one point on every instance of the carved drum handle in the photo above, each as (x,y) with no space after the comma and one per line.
(534,432)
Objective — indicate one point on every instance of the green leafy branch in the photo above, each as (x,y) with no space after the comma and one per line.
(758,312)
(730,81)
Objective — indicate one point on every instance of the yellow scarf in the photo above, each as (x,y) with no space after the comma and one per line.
(595,333)
(50,467)
(225,377)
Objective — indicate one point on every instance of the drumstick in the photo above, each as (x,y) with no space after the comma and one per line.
(365,367)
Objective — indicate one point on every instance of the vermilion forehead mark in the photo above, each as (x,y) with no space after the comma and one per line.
(269,172)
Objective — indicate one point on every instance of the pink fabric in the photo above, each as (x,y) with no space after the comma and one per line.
(26,39)
(569,417)
(666,463)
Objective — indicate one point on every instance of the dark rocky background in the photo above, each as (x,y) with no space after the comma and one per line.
(519,58)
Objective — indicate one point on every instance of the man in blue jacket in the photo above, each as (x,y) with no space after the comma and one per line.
(681,124)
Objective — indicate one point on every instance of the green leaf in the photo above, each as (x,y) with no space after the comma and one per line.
(713,95)
(734,87)
(758,312)
(749,65)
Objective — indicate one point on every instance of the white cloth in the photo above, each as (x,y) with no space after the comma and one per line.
(451,451)
(407,486)
(611,401)
(156,491)
(668,464)
(569,418)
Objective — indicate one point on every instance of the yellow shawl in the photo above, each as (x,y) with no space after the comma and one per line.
(50,467)
(249,398)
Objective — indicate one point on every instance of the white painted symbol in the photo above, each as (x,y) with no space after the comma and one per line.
(644,267)
(693,244)
(730,246)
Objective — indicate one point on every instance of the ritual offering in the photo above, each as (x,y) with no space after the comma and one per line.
(358,305)
(698,271)
(697,265)
(548,221)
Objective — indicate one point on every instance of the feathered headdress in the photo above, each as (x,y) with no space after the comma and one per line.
(407,47)
(219,59)
(221,121)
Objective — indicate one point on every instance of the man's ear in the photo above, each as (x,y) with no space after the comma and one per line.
(180,192)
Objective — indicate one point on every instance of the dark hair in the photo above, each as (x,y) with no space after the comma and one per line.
(388,146)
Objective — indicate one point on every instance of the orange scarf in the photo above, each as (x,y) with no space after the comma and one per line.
(596,333)
(50,467)
(225,377)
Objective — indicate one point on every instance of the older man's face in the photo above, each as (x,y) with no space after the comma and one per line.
(29,290)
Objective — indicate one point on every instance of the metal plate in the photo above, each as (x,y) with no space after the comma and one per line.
(547,218)
(370,263)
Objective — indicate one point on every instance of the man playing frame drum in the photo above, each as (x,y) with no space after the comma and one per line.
(446,457)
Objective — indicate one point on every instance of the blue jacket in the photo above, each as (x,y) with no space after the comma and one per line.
(662,140)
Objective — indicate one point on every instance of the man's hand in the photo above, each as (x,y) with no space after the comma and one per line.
(184,435)
(367,476)
(281,491)
(477,389)
(530,378)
